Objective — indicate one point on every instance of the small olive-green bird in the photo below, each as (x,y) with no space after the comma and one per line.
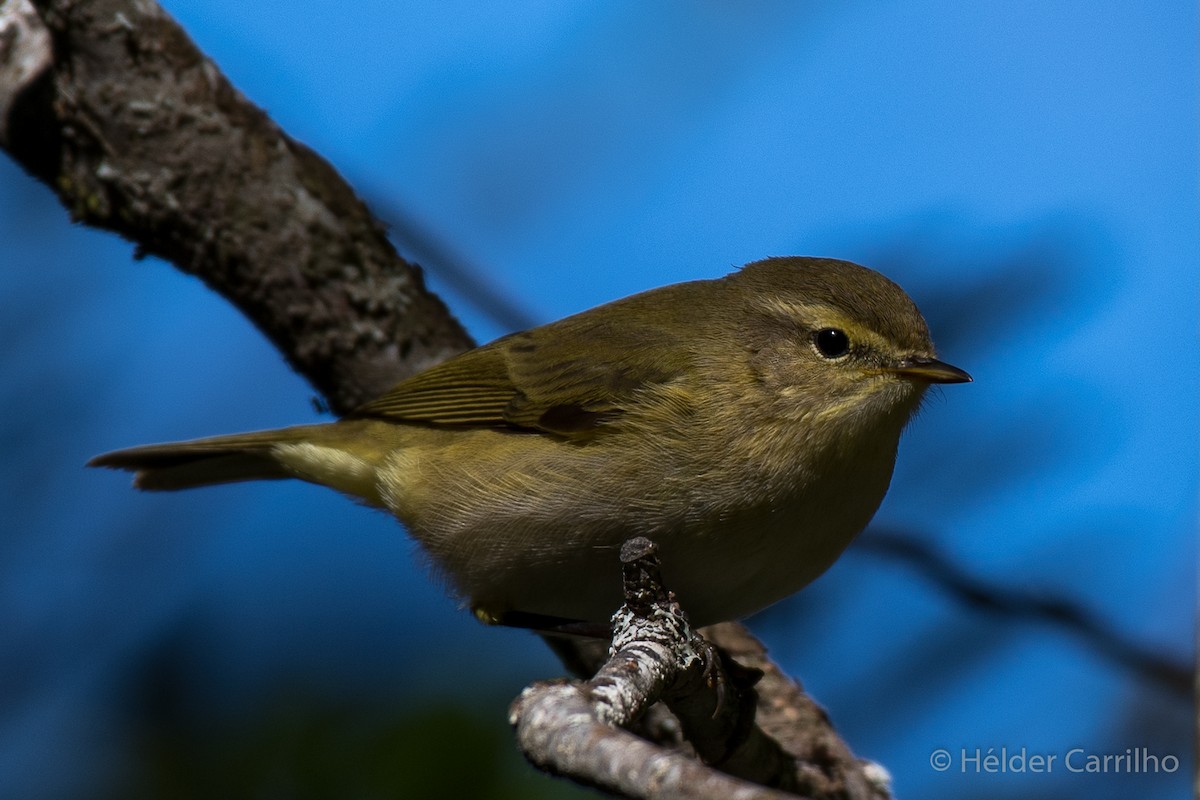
(748,425)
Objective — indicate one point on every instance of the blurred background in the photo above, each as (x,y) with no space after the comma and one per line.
(1026,170)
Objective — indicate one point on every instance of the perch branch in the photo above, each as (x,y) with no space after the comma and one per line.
(575,729)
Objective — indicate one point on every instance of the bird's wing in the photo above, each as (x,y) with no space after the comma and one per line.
(573,378)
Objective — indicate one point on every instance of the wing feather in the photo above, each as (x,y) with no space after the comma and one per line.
(572,378)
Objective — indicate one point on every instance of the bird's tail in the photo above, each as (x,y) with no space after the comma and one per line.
(342,455)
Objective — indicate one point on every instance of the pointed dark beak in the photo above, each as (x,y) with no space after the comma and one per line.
(929,370)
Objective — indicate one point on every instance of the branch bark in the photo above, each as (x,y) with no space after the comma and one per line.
(140,134)
(576,729)
(111,105)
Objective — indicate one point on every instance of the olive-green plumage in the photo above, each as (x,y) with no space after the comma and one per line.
(747,424)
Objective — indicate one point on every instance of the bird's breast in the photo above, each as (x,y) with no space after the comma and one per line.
(528,523)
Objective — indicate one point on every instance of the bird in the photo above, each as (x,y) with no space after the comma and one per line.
(748,425)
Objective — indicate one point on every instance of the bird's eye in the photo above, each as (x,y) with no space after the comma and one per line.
(831,342)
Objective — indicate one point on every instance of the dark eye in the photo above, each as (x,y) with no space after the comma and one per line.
(831,342)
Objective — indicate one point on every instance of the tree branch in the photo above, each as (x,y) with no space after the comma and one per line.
(574,729)
(1030,606)
(111,105)
(139,133)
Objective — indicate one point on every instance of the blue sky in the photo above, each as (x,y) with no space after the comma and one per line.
(1027,171)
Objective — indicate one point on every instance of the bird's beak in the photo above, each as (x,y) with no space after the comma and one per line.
(929,370)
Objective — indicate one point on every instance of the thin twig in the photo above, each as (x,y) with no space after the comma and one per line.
(1035,607)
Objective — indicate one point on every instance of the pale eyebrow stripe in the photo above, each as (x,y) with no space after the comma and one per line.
(792,309)
(818,313)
